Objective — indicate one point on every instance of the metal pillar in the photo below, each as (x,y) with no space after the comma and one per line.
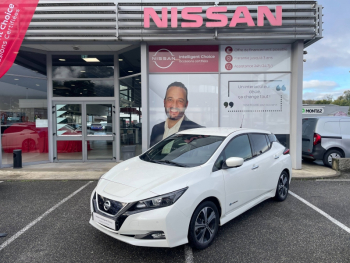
(117,107)
(49,105)
(144,96)
(296,103)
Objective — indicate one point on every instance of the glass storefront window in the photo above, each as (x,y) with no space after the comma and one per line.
(69,150)
(83,75)
(64,72)
(99,119)
(83,88)
(130,62)
(100,150)
(130,117)
(68,120)
(23,109)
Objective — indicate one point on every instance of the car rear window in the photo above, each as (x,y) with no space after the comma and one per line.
(271,138)
(309,126)
(259,143)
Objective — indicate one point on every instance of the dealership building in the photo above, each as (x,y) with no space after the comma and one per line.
(90,79)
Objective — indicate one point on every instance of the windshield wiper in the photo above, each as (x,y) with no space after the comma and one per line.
(171,162)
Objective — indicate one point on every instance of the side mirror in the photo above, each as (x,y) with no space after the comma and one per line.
(233,162)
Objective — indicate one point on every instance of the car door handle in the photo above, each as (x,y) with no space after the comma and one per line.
(276,157)
(255,167)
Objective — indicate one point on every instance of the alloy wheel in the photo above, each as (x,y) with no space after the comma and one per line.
(205,225)
(283,185)
(331,156)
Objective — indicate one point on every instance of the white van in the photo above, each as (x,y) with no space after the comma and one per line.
(325,138)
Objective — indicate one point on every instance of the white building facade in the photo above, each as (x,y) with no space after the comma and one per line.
(90,78)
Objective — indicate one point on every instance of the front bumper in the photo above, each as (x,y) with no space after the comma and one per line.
(169,220)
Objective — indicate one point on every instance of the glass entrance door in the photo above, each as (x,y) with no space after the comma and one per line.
(84,131)
(100,132)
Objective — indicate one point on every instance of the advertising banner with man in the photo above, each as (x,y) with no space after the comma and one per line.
(181,101)
(15,16)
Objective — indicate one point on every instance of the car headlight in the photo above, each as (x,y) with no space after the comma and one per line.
(160,201)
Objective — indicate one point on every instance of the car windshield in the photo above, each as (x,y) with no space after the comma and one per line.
(184,150)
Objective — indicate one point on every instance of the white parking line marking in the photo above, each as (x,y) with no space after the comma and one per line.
(1,182)
(188,254)
(344,227)
(23,230)
(333,180)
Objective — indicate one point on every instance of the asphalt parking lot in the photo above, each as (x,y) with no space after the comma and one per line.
(290,231)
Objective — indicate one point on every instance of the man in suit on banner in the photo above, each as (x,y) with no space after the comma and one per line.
(175,104)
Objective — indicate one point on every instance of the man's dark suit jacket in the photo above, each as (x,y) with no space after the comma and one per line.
(158,129)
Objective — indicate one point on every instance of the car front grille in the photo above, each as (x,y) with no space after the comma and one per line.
(114,206)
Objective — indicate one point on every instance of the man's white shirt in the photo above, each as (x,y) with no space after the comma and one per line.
(172,130)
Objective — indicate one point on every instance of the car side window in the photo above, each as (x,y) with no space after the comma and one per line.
(259,143)
(239,147)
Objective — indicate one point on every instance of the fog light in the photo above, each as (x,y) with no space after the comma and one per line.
(158,235)
(151,235)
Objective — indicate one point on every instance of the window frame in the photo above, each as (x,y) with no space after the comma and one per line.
(267,141)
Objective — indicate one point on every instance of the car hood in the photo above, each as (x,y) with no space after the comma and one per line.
(135,179)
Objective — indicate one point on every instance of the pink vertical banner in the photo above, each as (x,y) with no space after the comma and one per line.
(15,16)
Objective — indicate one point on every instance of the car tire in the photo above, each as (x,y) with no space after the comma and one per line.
(332,153)
(201,233)
(282,187)
(28,145)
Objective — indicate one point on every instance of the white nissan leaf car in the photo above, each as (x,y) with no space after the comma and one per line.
(186,186)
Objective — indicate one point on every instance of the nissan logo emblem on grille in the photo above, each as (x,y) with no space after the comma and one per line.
(107,205)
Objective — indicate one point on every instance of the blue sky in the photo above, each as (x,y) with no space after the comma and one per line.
(327,66)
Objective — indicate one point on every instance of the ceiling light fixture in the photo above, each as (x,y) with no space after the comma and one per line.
(120,59)
(38,85)
(130,71)
(82,71)
(61,59)
(16,79)
(91,60)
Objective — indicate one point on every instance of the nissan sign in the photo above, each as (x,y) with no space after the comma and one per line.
(216,15)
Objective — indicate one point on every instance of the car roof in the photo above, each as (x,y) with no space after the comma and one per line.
(220,131)
(328,117)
